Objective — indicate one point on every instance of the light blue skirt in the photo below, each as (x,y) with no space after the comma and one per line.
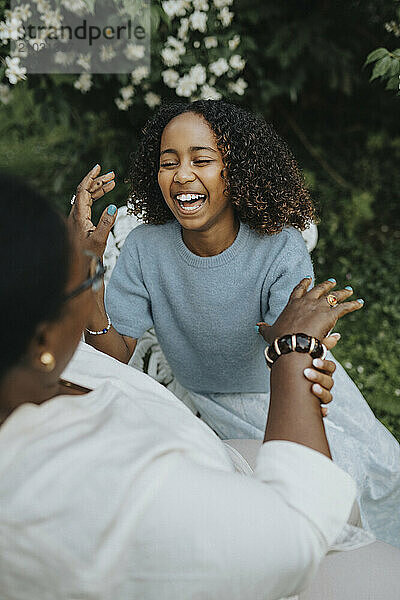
(359,444)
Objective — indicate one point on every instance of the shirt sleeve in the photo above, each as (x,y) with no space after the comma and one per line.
(228,535)
(127,298)
(293,264)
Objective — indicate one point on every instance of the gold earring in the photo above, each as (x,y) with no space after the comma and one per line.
(48,361)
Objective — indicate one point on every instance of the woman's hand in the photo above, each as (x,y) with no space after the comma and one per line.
(92,187)
(310,312)
(321,378)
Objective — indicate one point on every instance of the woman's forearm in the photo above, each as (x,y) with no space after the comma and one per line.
(112,342)
(294,412)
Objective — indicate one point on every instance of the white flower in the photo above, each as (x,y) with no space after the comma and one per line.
(23,12)
(198,21)
(186,86)
(152,100)
(14,72)
(3,33)
(237,62)
(238,87)
(210,42)
(360,369)
(397,392)
(15,29)
(139,73)
(76,6)
(234,42)
(176,45)
(43,5)
(348,365)
(175,8)
(198,74)
(170,77)
(183,29)
(134,51)
(52,18)
(64,58)
(127,92)
(84,61)
(219,67)
(200,5)
(83,83)
(5,93)
(170,57)
(225,16)
(222,3)
(210,93)
(107,53)
(123,104)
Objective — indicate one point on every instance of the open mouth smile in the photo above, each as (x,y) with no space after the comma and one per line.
(190,202)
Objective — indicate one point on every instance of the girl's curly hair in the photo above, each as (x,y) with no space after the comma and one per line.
(262,178)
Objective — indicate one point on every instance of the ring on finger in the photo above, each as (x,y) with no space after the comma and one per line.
(331,300)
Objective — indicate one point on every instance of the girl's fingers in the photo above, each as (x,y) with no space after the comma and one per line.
(343,294)
(98,238)
(89,177)
(301,288)
(100,181)
(318,378)
(330,341)
(348,307)
(322,289)
(107,187)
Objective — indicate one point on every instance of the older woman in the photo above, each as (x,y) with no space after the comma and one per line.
(110,487)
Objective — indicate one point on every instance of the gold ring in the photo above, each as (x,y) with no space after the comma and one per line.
(331,300)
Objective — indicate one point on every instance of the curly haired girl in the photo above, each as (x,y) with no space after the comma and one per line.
(220,250)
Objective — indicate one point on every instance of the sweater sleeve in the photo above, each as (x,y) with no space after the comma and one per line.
(127,298)
(292,265)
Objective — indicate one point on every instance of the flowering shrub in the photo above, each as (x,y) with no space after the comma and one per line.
(195,53)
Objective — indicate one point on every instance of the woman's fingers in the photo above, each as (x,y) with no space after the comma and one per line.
(324,411)
(323,395)
(324,365)
(320,379)
(301,288)
(330,341)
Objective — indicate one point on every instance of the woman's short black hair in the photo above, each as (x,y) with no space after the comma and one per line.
(263,180)
(35,251)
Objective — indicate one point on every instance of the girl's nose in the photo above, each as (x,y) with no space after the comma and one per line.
(184,175)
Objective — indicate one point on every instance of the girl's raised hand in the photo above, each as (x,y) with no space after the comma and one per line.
(92,187)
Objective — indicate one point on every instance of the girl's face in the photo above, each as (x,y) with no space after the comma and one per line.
(190,174)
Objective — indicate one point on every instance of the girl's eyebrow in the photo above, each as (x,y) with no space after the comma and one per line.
(192,149)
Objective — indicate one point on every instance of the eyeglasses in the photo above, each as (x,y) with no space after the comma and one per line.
(96,274)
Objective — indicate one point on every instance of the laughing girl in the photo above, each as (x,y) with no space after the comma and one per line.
(223,204)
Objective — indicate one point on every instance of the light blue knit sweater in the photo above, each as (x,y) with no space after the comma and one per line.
(204,309)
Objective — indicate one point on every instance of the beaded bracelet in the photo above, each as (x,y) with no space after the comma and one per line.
(102,331)
(294,342)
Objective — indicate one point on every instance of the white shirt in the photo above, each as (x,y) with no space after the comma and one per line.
(123,493)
